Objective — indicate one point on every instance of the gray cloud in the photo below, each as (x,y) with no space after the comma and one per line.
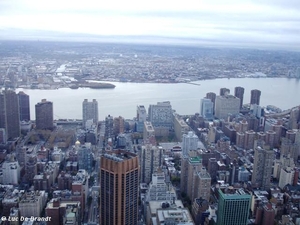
(256,21)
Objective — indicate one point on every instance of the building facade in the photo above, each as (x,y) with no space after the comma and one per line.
(141,117)
(255,97)
(189,142)
(239,93)
(24,105)
(233,207)
(32,203)
(89,111)
(149,133)
(85,157)
(150,161)
(10,114)
(10,171)
(44,115)
(226,105)
(262,167)
(161,114)
(224,91)
(180,128)
(206,108)
(119,188)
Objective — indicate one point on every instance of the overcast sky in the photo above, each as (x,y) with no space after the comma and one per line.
(262,22)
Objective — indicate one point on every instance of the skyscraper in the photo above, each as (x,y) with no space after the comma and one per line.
(206,108)
(224,91)
(44,115)
(85,157)
(141,116)
(149,133)
(203,184)
(233,206)
(24,106)
(2,111)
(226,105)
(109,127)
(119,188)
(141,113)
(189,143)
(161,115)
(10,114)
(89,111)
(294,119)
(239,93)
(212,96)
(255,97)
(118,125)
(189,180)
(150,161)
(262,167)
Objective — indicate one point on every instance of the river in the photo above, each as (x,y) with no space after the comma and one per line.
(184,97)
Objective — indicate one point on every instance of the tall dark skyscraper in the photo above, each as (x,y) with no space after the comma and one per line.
(24,106)
(10,114)
(212,96)
(44,115)
(255,97)
(2,111)
(119,188)
(223,91)
(239,93)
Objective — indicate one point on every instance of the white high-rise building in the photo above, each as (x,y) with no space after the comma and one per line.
(89,111)
(159,190)
(141,113)
(206,108)
(225,105)
(10,171)
(141,117)
(161,114)
(149,133)
(189,142)
(150,161)
(286,177)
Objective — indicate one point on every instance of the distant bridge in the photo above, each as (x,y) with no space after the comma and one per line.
(281,114)
(68,122)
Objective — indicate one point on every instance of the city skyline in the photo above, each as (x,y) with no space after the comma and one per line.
(258,24)
(202,163)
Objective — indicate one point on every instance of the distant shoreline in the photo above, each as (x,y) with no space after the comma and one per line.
(105,84)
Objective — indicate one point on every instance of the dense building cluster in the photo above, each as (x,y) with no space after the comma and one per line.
(230,163)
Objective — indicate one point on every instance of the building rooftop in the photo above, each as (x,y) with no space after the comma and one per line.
(154,205)
(180,215)
(63,203)
(119,155)
(204,174)
(231,192)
